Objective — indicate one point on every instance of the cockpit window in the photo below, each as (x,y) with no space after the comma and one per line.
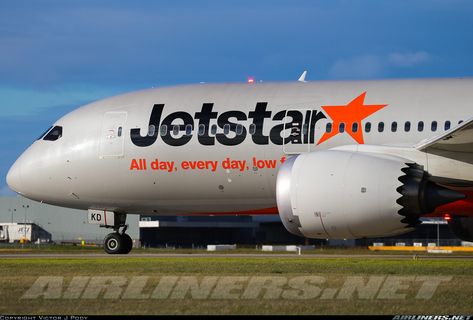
(44,133)
(54,134)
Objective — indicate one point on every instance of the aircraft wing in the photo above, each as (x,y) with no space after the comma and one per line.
(456,143)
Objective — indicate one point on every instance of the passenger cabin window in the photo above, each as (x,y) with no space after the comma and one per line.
(239,129)
(407,126)
(381,127)
(175,129)
(201,129)
(394,126)
(328,127)
(164,130)
(213,129)
(447,125)
(368,127)
(434,126)
(226,128)
(54,134)
(188,129)
(252,128)
(151,130)
(341,127)
(354,127)
(420,126)
(305,129)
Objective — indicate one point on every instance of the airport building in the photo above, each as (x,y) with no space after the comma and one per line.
(71,226)
(23,232)
(191,231)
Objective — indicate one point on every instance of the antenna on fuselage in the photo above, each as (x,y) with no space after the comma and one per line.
(302,77)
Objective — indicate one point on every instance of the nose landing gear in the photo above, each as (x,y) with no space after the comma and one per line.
(118,243)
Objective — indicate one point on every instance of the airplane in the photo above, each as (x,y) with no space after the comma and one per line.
(334,159)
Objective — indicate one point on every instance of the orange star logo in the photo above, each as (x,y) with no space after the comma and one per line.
(352,113)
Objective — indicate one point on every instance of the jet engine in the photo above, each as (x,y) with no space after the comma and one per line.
(336,194)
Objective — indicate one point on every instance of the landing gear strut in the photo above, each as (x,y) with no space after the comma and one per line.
(118,242)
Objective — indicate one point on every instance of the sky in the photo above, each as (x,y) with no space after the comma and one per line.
(58,55)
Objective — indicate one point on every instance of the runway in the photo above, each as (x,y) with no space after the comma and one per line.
(235,255)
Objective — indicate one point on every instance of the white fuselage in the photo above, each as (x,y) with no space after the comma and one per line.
(96,163)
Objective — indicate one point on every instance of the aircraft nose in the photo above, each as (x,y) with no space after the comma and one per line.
(14,177)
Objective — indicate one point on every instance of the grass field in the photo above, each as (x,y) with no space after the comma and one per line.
(397,293)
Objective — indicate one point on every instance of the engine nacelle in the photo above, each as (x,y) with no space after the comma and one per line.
(347,195)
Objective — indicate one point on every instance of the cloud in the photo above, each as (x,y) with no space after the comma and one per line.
(409,59)
(362,67)
(370,66)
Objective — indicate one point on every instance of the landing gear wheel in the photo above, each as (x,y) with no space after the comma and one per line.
(127,244)
(113,243)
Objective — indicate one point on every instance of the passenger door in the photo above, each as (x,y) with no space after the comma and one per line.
(112,140)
